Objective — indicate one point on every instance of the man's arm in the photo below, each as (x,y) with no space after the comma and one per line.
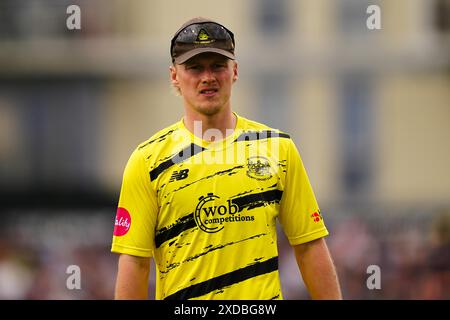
(317,269)
(132,278)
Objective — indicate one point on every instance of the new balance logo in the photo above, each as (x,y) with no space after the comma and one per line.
(179,175)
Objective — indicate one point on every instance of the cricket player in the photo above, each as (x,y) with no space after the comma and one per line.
(202,196)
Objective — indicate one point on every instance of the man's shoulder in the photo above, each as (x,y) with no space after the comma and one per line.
(255,126)
(159,139)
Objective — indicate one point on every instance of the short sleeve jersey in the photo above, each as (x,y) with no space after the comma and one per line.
(207,211)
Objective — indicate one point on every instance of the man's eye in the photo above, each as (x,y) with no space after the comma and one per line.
(193,67)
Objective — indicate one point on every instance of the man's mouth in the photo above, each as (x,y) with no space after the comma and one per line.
(208,92)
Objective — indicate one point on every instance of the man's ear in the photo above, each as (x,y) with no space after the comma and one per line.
(235,71)
(173,76)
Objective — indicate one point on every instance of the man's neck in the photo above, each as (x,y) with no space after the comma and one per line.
(197,123)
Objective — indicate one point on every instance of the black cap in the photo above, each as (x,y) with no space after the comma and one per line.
(200,35)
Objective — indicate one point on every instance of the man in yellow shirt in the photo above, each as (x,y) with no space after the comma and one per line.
(202,196)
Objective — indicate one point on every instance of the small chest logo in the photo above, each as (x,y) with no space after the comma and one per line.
(259,168)
(179,175)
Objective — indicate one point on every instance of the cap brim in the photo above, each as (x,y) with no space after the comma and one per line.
(186,56)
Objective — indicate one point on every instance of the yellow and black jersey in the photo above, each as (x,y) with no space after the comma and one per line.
(206,211)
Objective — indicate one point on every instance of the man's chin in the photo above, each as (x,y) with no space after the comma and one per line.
(209,110)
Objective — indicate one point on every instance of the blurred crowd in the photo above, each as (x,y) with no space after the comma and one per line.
(411,250)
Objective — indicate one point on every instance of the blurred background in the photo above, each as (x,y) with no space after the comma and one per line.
(368,109)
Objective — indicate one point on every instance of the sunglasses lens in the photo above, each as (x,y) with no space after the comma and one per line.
(202,33)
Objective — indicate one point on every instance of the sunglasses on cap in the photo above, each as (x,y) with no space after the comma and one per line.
(202,35)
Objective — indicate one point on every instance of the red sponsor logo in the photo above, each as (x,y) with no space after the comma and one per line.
(316,216)
(122,223)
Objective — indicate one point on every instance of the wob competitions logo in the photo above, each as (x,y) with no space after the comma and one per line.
(211,214)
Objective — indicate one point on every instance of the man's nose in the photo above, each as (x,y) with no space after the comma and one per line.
(208,75)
